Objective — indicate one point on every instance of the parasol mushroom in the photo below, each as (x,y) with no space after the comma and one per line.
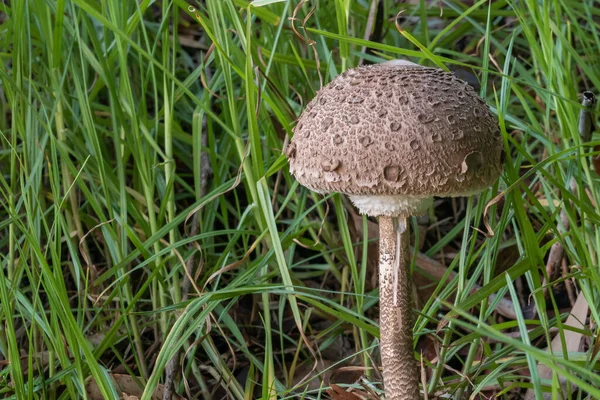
(391,137)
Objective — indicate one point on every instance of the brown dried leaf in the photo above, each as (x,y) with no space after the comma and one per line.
(310,378)
(576,319)
(127,385)
(338,393)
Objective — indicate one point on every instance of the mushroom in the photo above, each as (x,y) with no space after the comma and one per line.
(391,137)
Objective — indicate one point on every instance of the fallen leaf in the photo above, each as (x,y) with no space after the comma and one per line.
(307,377)
(128,386)
(338,393)
(576,319)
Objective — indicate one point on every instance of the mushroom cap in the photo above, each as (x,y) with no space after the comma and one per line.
(399,131)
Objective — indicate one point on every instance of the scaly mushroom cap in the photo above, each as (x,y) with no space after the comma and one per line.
(394,135)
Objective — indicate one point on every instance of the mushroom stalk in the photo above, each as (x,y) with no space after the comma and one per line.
(400,376)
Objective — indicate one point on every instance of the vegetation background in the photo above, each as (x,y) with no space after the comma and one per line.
(152,239)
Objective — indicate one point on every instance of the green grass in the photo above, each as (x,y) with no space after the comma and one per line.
(107,109)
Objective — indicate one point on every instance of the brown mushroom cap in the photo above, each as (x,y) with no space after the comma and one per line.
(396,131)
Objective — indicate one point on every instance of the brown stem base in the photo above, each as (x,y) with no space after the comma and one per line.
(400,375)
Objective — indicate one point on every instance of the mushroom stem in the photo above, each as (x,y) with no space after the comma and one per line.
(400,376)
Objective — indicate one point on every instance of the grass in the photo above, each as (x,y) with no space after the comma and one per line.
(141,140)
